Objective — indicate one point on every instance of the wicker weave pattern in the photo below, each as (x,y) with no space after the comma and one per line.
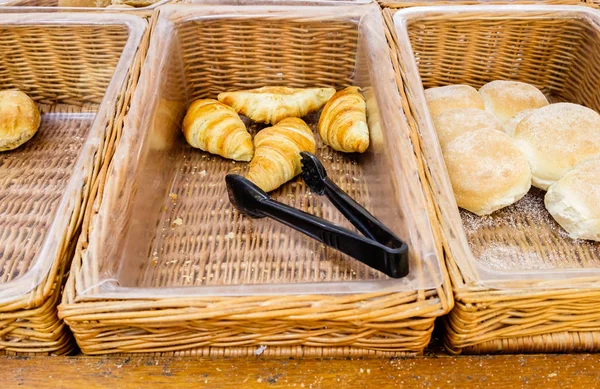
(225,54)
(559,56)
(398,4)
(66,70)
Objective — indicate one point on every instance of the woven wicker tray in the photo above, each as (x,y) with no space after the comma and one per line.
(503,283)
(217,283)
(66,64)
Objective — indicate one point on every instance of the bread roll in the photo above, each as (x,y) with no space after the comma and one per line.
(19,119)
(511,124)
(214,127)
(343,122)
(487,171)
(505,99)
(456,122)
(574,201)
(277,155)
(272,104)
(449,97)
(556,138)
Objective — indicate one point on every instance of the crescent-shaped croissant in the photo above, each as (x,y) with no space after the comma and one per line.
(214,127)
(272,104)
(277,155)
(343,122)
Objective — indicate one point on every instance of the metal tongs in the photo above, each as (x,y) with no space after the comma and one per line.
(380,249)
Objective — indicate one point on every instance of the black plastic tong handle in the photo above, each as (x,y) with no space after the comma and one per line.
(390,258)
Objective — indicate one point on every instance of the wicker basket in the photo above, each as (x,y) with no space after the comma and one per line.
(65,63)
(525,308)
(143,8)
(161,304)
(398,4)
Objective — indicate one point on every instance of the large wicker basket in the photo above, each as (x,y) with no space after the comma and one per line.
(66,64)
(163,304)
(524,308)
(398,4)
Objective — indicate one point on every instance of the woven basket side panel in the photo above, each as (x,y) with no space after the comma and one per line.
(461,50)
(239,54)
(425,3)
(398,337)
(66,64)
(519,325)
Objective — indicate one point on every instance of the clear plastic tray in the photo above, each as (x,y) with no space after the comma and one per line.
(553,47)
(166,227)
(52,58)
(52,5)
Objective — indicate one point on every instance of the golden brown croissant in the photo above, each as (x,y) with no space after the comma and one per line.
(277,155)
(214,127)
(271,104)
(343,122)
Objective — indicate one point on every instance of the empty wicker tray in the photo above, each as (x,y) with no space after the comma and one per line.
(520,282)
(76,68)
(170,267)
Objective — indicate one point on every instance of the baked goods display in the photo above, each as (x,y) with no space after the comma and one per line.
(274,154)
(277,155)
(505,99)
(494,156)
(270,104)
(343,122)
(487,171)
(574,201)
(215,127)
(449,97)
(556,138)
(19,119)
(455,122)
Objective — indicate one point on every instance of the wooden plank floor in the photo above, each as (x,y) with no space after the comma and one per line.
(438,371)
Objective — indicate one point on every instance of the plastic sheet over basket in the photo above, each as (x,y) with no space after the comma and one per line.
(166,226)
(554,48)
(41,182)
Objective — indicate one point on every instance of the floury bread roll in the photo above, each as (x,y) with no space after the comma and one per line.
(556,138)
(574,201)
(456,122)
(505,99)
(511,124)
(487,171)
(449,97)
(19,119)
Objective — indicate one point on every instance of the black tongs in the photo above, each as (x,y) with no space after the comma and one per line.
(379,249)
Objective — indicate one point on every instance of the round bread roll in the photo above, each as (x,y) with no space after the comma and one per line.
(487,171)
(511,124)
(19,119)
(556,138)
(573,201)
(505,99)
(450,97)
(456,122)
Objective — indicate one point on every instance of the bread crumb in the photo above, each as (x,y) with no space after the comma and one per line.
(231,235)
(202,173)
(177,222)
(173,196)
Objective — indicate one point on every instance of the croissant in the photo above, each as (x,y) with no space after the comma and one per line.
(271,104)
(343,122)
(277,155)
(214,127)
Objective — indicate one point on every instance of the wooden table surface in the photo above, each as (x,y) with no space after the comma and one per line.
(437,371)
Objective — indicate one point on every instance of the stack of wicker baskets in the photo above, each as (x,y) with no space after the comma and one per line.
(556,49)
(295,46)
(66,65)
